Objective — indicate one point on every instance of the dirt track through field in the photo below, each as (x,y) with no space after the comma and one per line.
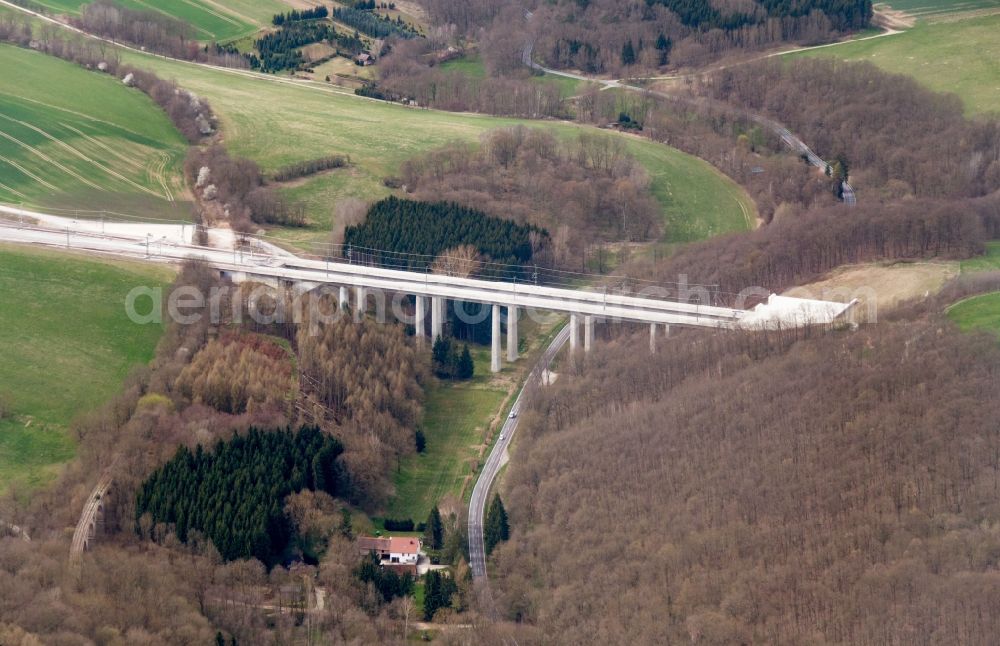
(28,173)
(12,190)
(44,157)
(157,173)
(77,153)
(106,148)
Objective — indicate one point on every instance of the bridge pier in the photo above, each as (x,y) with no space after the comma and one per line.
(652,335)
(343,301)
(437,314)
(359,309)
(588,332)
(574,332)
(418,321)
(512,333)
(495,338)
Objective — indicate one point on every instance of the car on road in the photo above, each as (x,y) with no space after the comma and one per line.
(501,437)
(513,414)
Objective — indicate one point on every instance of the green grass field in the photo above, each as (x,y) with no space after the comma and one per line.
(978,313)
(473,66)
(455,420)
(926,8)
(212,19)
(275,122)
(944,55)
(79,139)
(990,261)
(66,345)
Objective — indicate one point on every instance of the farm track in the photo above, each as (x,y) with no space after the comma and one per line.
(85,158)
(15,192)
(44,157)
(28,173)
(106,148)
(158,173)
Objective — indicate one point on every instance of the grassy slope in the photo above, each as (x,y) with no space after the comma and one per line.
(949,56)
(990,261)
(66,345)
(117,149)
(929,7)
(473,66)
(277,123)
(455,421)
(212,19)
(978,313)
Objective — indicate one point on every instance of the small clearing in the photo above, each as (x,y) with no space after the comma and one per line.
(878,286)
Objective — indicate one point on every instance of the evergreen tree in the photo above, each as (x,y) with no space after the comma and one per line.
(408,234)
(234,493)
(420,440)
(465,367)
(346,526)
(628,53)
(434,533)
(441,355)
(664,45)
(386,581)
(496,528)
(438,590)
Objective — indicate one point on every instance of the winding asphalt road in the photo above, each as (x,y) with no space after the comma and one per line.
(477,505)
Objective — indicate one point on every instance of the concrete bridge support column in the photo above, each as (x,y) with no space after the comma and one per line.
(361,305)
(512,333)
(495,355)
(574,332)
(588,332)
(652,338)
(418,321)
(437,316)
(343,301)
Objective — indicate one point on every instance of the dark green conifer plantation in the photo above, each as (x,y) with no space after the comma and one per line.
(234,494)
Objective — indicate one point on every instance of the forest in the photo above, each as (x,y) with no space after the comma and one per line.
(843,14)
(375,402)
(609,37)
(348,375)
(234,494)
(797,250)
(372,24)
(899,138)
(239,372)
(411,234)
(279,50)
(820,488)
(583,192)
(296,15)
(410,71)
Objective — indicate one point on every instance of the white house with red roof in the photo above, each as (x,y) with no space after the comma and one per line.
(399,552)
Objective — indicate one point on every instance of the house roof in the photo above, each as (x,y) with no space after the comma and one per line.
(368,543)
(404,545)
(395,544)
